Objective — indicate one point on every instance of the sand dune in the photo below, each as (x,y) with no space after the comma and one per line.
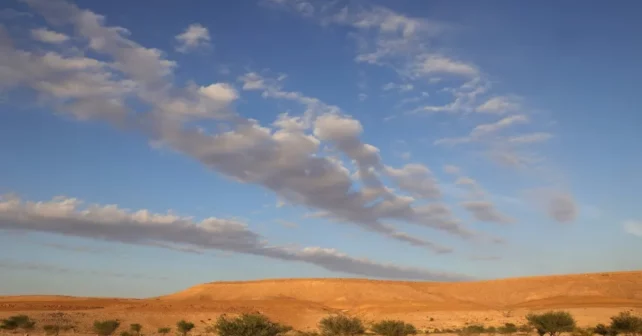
(592,298)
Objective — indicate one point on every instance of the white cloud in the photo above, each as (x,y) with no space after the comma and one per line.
(398,87)
(499,125)
(48,36)
(633,227)
(437,64)
(68,216)
(221,92)
(530,138)
(195,36)
(285,158)
(499,105)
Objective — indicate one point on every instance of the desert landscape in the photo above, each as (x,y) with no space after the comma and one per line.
(301,303)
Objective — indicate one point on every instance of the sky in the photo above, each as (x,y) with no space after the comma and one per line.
(150,146)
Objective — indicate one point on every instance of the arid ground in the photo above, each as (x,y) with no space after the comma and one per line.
(592,298)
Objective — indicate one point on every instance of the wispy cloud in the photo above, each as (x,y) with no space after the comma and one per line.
(633,227)
(13,265)
(67,216)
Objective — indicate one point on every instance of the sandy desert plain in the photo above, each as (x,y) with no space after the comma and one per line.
(301,303)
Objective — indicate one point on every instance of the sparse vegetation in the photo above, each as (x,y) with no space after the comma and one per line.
(248,325)
(552,322)
(51,329)
(184,327)
(106,328)
(18,322)
(394,328)
(164,330)
(603,330)
(341,325)
(473,329)
(582,332)
(125,333)
(135,329)
(507,329)
(626,323)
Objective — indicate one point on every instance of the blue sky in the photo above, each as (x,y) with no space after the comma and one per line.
(149,147)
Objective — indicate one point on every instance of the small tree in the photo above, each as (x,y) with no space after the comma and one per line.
(106,328)
(184,327)
(552,322)
(340,325)
(248,325)
(18,322)
(51,329)
(626,323)
(394,328)
(135,328)
(164,330)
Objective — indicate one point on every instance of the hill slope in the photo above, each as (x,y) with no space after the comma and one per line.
(592,298)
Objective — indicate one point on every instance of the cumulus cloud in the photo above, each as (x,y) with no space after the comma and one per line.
(48,36)
(633,227)
(68,216)
(195,36)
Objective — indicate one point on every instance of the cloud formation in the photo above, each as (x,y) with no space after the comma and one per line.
(48,36)
(68,216)
(195,36)
(633,227)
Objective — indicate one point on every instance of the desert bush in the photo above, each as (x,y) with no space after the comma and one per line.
(582,332)
(340,325)
(184,327)
(473,329)
(394,328)
(18,322)
(603,330)
(249,325)
(507,329)
(51,329)
(626,323)
(525,328)
(135,328)
(552,322)
(125,333)
(106,328)
(164,330)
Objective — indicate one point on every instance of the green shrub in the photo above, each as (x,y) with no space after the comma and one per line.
(340,325)
(184,327)
(51,330)
(626,323)
(125,333)
(582,332)
(248,325)
(135,328)
(106,328)
(164,330)
(18,322)
(394,328)
(552,322)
